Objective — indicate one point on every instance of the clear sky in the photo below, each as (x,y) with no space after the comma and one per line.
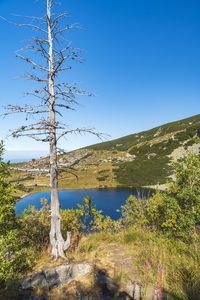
(142,63)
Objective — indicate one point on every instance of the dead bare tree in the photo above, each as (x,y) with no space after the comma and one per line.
(49,55)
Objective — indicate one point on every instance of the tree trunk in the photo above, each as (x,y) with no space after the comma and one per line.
(57,242)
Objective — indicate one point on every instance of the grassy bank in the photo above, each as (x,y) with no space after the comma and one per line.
(133,254)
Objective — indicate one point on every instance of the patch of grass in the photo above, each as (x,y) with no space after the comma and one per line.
(114,152)
(131,236)
(181,273)
(188,282)
(142,171)
(179,260)
(102,172)
(102,178)
(120,278)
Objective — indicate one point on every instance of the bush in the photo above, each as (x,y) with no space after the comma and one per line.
(133,212)
(35,226)
(7,201)
(13,254)
(177,211)
(14,257)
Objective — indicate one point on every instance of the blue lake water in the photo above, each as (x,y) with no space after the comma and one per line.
(107,200)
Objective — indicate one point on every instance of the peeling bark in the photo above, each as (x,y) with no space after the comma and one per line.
(59,245)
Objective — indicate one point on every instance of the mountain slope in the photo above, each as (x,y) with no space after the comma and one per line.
(152,150)
(126,142)
(136,160)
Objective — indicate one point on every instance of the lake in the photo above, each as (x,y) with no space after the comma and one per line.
(108,200)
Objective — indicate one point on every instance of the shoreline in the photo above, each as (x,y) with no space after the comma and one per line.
(107,188)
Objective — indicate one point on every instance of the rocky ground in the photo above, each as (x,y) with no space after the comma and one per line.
(106,282)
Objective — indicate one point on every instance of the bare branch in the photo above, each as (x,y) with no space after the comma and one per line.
(30,170)
(32,62)
(37,95)
(64,106)
(58,32)
(30,17)
(35,78)
(26,109)
(25,25)
(67,171)
(34,48)
(62,69)
(41,41)
(62,51)
(80,130)
(33,137)
(55,21)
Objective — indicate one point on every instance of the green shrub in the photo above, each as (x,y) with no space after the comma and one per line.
(102,178)
(7,201)
(177,211)
(102,172)
(133,211)
(14,256)
(35,226)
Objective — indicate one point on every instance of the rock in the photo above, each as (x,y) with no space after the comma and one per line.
(37,279)
(180,152)
(129,289)
(137,292)
(57,276)
(52,277)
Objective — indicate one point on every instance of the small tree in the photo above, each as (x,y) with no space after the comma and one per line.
(50,57)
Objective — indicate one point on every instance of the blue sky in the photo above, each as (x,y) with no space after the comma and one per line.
(142,63)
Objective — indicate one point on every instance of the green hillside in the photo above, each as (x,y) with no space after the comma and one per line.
(124,143)
(151,149)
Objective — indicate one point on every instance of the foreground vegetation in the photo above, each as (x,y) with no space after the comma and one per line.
(155,242)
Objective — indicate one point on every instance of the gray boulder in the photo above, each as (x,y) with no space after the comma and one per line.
(56,276)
